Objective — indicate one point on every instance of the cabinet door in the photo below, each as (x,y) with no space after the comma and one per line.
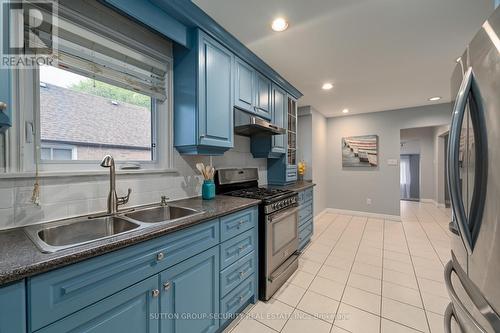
(215,94)
(190,294)
(263,96)
(279,114)
(134,309)
(13,308)
(244,86)
(5,90)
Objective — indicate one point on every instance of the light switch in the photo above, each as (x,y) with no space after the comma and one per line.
(392,162)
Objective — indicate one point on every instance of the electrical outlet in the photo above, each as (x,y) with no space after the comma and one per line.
(368,201)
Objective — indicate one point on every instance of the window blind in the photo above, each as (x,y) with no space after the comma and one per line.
(87,52)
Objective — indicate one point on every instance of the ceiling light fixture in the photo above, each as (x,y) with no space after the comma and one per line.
(345,111)
(279,24)
(327,86)
(459,59)
(433,99)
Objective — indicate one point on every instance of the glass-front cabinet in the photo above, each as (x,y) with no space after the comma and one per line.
(284,170)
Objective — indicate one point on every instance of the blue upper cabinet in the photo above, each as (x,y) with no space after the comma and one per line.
(13,308)
(244,86)
(191,288)
(273,146)
(203,97)
(284,170)
(279,112)
(262,96)
(5,80)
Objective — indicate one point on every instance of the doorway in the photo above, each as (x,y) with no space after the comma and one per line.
(410,177)
(447,202)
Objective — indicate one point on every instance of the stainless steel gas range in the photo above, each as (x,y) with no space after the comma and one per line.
(278,221)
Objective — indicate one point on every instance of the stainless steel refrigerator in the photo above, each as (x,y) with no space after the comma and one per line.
(473,275)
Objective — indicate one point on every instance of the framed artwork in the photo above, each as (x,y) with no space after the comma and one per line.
(360,151)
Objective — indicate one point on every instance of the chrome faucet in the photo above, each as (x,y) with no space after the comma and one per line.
(114,201)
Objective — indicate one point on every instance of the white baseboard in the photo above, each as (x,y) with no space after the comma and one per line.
(367,214)
(320,214)
(441,205)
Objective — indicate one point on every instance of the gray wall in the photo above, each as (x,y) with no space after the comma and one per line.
(425,138)
(311,143)
(349,189)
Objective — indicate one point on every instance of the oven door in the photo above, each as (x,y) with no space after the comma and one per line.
(282,237)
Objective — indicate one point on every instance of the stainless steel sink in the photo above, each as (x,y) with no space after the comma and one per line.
(161,214)
(56,236)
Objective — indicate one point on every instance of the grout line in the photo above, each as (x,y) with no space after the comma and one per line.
(350,270)
(295,307)
(415,274)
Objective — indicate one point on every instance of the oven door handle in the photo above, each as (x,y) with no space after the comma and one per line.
(282,215)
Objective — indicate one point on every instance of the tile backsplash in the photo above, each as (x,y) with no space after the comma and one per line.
(63,197)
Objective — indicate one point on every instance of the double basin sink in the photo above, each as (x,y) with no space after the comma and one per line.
(60,235)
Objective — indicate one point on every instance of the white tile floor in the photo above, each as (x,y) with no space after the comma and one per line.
(364,275)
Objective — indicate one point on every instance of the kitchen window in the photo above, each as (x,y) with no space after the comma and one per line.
(107,93)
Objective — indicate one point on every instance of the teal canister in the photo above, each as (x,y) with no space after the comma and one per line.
(208,189)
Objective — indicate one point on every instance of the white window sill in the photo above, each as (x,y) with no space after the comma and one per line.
(61,174)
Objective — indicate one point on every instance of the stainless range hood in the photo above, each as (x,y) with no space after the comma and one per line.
(248,124)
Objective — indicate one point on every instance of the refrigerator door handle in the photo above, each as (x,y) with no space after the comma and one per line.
(484,308)
(453,159)
(448,315)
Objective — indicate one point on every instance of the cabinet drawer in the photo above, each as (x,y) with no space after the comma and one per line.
(305,234)
(305,221)
(308,194)
(235,224)
(306,212)
(291,174)
(237,299)
(58,293)
(237,247)
(237,272)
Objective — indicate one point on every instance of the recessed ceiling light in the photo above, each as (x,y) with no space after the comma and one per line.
(327,86)
(345,111)
(279,24)
(459,59)
(433,99)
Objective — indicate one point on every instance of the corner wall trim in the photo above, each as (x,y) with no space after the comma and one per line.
(367,214)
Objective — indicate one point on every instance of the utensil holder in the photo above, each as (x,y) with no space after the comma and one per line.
(208,189)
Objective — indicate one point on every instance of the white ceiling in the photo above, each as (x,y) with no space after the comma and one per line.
(379,54)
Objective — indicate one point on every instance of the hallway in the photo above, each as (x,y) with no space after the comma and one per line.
(362,274)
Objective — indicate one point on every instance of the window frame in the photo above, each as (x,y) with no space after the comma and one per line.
(25,140)
(60,146)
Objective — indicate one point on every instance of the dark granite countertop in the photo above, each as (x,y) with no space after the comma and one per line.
(298,186)
(20,258)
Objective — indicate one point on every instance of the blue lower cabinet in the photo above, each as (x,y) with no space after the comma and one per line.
(237,247)
(233,275)
(13,308)
(134,309)
(234,302)
(60,292)
(190,295)
(306,215)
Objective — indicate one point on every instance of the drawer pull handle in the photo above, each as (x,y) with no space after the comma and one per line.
(166,285)
(241,298)
(160,256)
(155,292)
(240,224)
(242,247)
(243,273)
(3,106)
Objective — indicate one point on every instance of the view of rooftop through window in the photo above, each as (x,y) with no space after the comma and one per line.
(84,119)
